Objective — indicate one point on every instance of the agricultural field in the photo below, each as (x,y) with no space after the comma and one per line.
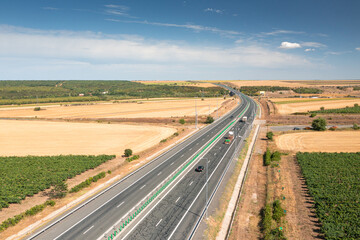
(44,138)
(179,83)
(305,106)
(161,108)
(333,182)
(30,92)
(25,176)
(293,83)
(337,141)
(354,109)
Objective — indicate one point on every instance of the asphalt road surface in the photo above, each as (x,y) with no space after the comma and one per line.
(176,213)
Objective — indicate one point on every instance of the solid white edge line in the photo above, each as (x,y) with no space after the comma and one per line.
(177,199)
(142,187)
(191,183)
(172,233)
(126,177)
(170,191)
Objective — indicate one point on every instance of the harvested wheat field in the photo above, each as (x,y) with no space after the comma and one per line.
(314,105)
(279,83)
(179,83)
(140,109)
(344,141)
(21,138)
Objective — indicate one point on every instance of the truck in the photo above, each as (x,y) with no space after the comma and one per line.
(229,138)
(244,119)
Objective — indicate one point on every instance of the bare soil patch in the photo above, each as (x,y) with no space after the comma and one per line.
(180,83)
(341,141)
(137,109)
(40,138)
(315,105)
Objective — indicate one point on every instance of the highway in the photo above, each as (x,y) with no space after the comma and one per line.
(175,213)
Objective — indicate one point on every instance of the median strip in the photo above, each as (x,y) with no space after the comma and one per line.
(150,199)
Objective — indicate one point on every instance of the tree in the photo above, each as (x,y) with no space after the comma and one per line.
(322,109)
(182,121)
(270,135)
(355,127)
(128,152)
(209,119)
(59,189)
(319,124)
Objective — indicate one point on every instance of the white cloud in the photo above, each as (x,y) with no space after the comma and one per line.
(357,48)
(278,32)
(65,51)
(196,28)
(50,8)
(310,50)
(118,10)
(214,10)
(313,44)
(289,45)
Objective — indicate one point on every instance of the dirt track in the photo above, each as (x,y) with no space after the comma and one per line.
(342,141)
(144,109)
(21,138)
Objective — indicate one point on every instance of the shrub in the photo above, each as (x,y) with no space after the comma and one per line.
(276,156)
(322,109)
(37,109)
(128,152)
(270,135)
(133,158)
(278,211)
(59,189)
(355,127)
(313,115)
(267,157)
(88,182)
(176,134)
(182,121)
(267,219)
(209,120)
(164,140)
(319,124)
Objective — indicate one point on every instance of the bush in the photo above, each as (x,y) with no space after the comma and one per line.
(267,219)
(37,109)
(128,152)
(355,127)
(182,121)
(164,140)
(176,134)
(267,157)
(278,211)
(270,135)
(313,115)
(276,156)
(59,189)
(88,182)
(319,124)
(322,109)
(133,158)
(209,120)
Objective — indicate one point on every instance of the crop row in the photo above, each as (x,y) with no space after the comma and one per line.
(26,176)
(333,180)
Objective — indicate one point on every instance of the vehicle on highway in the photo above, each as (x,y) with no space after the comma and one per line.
(199,169)
(308,128)
(229,138)
(244,119)
(296,128)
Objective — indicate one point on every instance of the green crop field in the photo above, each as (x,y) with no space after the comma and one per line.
(333,180)
(26,176)
(30,92)
(355,109)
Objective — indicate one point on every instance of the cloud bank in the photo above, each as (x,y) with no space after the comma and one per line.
(289,45)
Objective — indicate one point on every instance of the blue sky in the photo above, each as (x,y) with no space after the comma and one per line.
(179,40)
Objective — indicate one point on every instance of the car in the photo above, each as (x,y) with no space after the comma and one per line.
(199,169)
(296,128)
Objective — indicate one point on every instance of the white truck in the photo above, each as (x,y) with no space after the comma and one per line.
(244,119)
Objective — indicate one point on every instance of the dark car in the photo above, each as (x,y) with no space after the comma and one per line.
(296,128)
(199,168)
